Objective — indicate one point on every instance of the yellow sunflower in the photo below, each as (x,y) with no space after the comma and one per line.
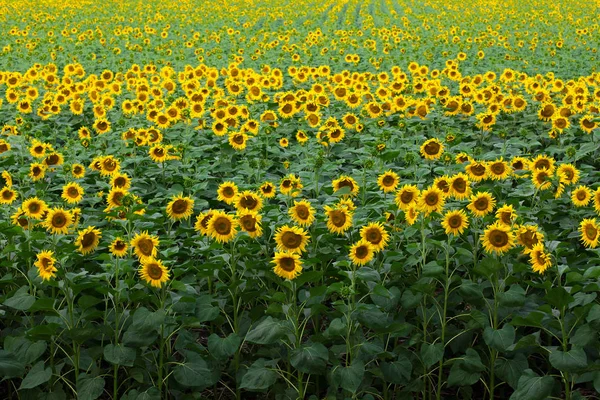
(118,247)
(589,232)
(528,236)
(287,265)
(201,224)
(20,219)
(431,200)
(72,193)
(78,171)
(249,221)
(88,239)
(120,180)
(540,260)
(581,196)
(541,179)
(158,153)
(339,219)
(115,197)
(411,214)
(45,264)
(388,181)
(376,235)
(34,208)
(567,174)
(180,207)
(302,213)
(291,238)
(346,181)
(222,227)
(497,238)
(432,149)
(481,204)
(455,222)
(407,196)
(227,192)
(153,271)
(542,162)
(506,214)
(460,187)
(361,252)
(7,195)
(58,220)
(248,201)
(267,190)
(145,245)
(498,169)
(476,170)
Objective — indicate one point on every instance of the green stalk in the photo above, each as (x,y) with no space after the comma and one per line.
(443,319)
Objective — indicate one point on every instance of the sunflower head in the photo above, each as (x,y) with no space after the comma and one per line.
(302,213)
(455,222)
(339,219)
(145,245)
(291,238)
(45,264)
(388,181)
(497,238)
(432,149)
(376,235)
(88,239)
(180,207)
(287,264)
(222,227)
(227,192)
(118,247)
(361,252)
(153,271)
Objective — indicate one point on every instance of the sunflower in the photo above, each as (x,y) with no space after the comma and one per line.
(540,260)
(287,265)
(528,236)
(589,232)
(542,162)
(249,221)
(376,235)
(45,264)
(476,170)
(302,213)
(58,220)
(291,238)
(153,271)
(118,247)
(201,224)
(72,193)
(114,198)
(347,203)
(5,179)
(34,208)
(180,207)
(20,219)
(455,222)
(248,201)
(109,166)
(120,180)
(519,163)
(290,185)
(581,196)
(481,204)
(7,196)
(158,153)
(238,140)
(145,245)
(88,239)
(222,227)
(346,181)
(567,174)
(388,181)
(227,192)
(431,200)
(411,214)
(541,179)
(497,238)
(498,169)
(432,149)
(267,190)
(506,214)
(460,186)
(361,252)
(407,196)
(339,219)
(78,171)
(443,183)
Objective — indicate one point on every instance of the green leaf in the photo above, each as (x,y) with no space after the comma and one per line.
(569,361)
(21,301)
(513,297)
(258,377)
(397,372)
(205,311)
(583,336)
(10,366)
(89,388)
(268,331)
(36,376)
(558,297)
(24,349)
(119,355)
(466,371)
(143,319)
(431,353)
(194,373)
(223,348)
(310,358)
(532,387)
(349,378)
(499,339)
(510,370)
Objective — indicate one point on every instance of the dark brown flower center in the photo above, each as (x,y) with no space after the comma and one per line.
(154,271)
(338,218)
(59,220)
(146,246)
(291,240)
(455,221)
(481,204)
(361,252)
(288,264)
(432,148)
(180,206)
(88,239)
(498,238)
(374,236)
(222,226)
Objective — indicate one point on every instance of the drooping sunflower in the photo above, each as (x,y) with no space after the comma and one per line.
(481,204)
(455,222)
(476,170)
(581,196)
(5,179)
(411,214)
(287,264)
(153,271)
(567,174)
(506,214)
(376,235)
(291,238)
(498,169)
(248,201)
(58,220)
(222,227)
(540,260)
(519,163)
(542,162)
(45,264)
(407,196)
(589,232)
(227,192)
(180,207)
(388,181)
(118,247)
(528,236)
(72,193)
(431,200)
(541,179)
(7,195)
(339,219)
(249,221)
(361,252)
(20,219)
(267,190)
(302,213)
(346,181)
(54,159)
(497,238)
(88,239)
(201,224)
(460,187)
(34,208)
(145,245)
(432,149)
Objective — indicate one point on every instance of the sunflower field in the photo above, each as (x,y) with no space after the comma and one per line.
(376,200)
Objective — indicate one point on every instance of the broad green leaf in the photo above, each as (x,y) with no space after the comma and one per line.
(10,366)
(223,348)
(533,387)
(267,331)
(195,372)
(499,339)
(510,370)
(89,388)
(310,358)
(258,377)
(36,376)
(349,378)
(431,353)
(397,372)
(569,361)
(119,355)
